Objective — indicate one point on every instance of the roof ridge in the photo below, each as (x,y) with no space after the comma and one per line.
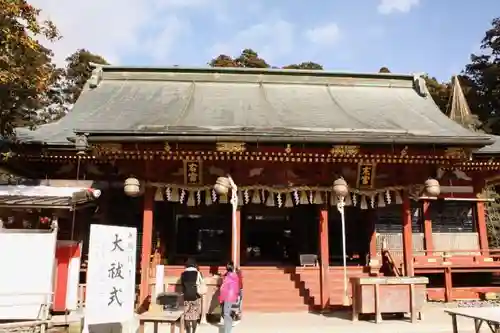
(244,70)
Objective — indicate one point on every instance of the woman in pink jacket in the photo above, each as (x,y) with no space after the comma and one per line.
(229,292)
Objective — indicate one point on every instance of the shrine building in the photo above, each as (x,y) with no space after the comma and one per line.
(155,141)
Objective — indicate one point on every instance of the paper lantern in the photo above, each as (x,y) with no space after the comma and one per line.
(132,187)
(222,185)
(340,188)
(432,187)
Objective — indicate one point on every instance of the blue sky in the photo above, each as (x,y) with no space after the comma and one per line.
(407,36)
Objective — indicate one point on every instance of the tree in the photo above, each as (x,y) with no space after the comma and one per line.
(78,71)
(305,65)
(493,216)
(248,59)
(65,91)
(483,77)
(223,61)
(440,92)
(26,69)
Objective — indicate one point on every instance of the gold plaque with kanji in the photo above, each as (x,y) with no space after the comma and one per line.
(193,171)
(366,175)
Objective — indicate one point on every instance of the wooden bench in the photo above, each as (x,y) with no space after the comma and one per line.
(490,316)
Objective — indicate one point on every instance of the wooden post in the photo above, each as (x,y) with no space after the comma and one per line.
(481,219)
(237,234)
(373,260)
(481,227)
(147,242)
(407,235)
(429,245)
(448,285)
(378,312)
(325,258)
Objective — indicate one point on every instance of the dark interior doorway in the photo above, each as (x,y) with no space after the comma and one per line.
(358,233)
(202,233)
(275,236)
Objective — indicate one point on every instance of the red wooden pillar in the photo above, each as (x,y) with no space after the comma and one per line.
(373,260)
(481,220)
(325,258)
(407,235)
(236,234)
(147,243)
(429,245)
(481,227)
(448,285)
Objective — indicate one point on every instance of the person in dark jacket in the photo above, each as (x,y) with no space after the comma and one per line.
(192,301)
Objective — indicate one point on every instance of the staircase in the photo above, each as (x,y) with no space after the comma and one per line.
(336,275)
(285,289)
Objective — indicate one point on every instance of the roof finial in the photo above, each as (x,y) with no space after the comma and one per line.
(420,85)
(96,77)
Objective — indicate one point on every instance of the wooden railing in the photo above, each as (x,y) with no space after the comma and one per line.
(491,255)
(466,243)
(394,243)
(443,242)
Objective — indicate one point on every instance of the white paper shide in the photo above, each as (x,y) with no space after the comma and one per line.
(111,274)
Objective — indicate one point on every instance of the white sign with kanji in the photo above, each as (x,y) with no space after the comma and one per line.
(110,293)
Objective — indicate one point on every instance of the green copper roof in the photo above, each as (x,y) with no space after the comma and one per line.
(212,104)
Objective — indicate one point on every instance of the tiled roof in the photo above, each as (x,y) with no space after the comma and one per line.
(256,105)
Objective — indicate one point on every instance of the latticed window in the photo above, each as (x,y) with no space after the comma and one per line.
(390,218)
(452,216)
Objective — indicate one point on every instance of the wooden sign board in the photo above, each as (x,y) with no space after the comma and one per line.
(110,294)
(366,175)
(193,171)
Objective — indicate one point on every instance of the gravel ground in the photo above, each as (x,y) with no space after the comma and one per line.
(464,304)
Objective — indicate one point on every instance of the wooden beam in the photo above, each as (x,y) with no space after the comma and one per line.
(372,219)
(407,235)
(325,258)
(481,227)
(448,285)
(147,240)
(237,234)
(481,218)
(427,222)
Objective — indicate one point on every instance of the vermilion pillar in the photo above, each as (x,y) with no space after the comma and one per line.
(237,234)
(407,235)
(373,255)
(481,227)
(147,242)
(325,258)
(481,219)
(448,285)
(429,245)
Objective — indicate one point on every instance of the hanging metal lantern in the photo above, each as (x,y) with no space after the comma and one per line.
(340,188)
(132,187)
(222,185)
(432,187)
